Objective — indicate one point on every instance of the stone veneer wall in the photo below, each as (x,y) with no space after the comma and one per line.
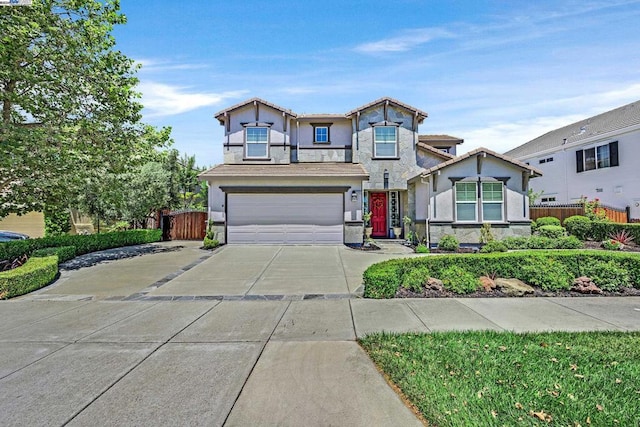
(277,155)
(470,234)
(219,228)
(323,155)
(353,232)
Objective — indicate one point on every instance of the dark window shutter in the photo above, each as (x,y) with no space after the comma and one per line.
(613,153)
(579,161)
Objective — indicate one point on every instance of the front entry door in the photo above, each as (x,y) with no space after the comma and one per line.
(379,214)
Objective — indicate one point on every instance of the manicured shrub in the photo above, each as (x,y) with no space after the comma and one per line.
(83,244)
(422,249)
(602,230)
(415,278)
(34,274)
(608,276)
(552,231)
(448,243)
(494,246)
(547,220)
(457,279)
(515,243)
(210,243)
(534,226)
(548,274)
(579,226)
(540,242)
(64,253)
(382,280)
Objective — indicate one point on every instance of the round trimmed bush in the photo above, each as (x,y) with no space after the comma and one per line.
(459,280)
(448,243)
(551,231)
(579,226)
(547,220)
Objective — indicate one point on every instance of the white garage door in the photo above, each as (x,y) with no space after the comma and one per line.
(285,218)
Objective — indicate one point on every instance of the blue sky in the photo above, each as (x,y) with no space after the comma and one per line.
(495,73)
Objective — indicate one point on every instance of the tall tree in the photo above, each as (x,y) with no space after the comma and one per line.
(67,99)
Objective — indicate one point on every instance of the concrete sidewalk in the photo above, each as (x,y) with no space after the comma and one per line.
(198,359)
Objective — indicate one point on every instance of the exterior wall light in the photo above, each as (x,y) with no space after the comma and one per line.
(386,179)
(354,196)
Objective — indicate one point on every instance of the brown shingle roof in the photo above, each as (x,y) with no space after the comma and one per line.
(391,101)
(619,118)
(290,170)
(524,166)
(435,151)
(440,138)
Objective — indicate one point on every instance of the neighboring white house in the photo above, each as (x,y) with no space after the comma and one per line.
(597,158)
(290,178)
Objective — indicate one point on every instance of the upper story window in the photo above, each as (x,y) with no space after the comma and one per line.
(385,141)
(602,156)
(546,160)
(321,133)
(257,142)
(466,201)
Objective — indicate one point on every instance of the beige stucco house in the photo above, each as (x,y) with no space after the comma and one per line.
(292,178)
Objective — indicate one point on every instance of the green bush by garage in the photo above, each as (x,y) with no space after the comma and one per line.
(551,270)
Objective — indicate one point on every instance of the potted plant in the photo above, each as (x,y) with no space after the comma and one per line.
(407,228)
(397,230)
(368,229)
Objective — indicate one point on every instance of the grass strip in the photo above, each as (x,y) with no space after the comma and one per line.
(501,378)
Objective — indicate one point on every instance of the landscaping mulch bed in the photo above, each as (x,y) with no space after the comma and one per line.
(495,293)
(598,245)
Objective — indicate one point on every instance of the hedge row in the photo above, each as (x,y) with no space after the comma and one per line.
(550,269)
(83,244)
(64,253)
(584,228)
(34,274)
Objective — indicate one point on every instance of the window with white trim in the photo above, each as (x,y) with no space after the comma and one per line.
(321,134)
(599,157)
(257,142)
(385,141)
(492,201)
(466,202)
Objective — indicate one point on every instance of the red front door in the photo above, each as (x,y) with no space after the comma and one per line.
(378,205)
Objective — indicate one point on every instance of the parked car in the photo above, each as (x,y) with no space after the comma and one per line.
(8,236)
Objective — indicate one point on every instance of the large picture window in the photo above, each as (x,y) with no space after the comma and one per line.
(602,156)
(466,201)
(385,140)
(492,201)
(257,142)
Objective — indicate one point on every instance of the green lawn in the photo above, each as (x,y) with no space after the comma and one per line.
(496,379)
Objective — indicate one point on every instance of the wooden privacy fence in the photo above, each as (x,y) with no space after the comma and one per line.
(563,212)
(184,225)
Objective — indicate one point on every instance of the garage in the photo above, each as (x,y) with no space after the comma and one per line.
(293,218)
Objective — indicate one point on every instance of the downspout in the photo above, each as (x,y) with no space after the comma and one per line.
(427,230)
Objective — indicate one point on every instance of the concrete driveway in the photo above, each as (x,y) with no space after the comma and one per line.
(246,336)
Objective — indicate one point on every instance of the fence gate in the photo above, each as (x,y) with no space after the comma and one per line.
(184,225)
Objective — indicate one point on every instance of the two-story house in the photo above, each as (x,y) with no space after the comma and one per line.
(307,178)
(595,158)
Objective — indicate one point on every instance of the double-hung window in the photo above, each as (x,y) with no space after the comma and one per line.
(602,156)
(492,201)
(257,142)
(385,141)
(466,202)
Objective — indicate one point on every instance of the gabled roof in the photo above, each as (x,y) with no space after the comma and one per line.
(430,139)
(289,170)
(617,119)
(435,151)
(390,101)
(480,150)
(251,101)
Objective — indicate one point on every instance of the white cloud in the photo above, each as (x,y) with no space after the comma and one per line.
(405,41)
(154,65)
(161,99)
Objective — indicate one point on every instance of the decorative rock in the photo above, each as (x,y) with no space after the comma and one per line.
(435,284)
(513,287)
(488,284)
(585,285)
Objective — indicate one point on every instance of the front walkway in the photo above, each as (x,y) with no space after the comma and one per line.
(214,360)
